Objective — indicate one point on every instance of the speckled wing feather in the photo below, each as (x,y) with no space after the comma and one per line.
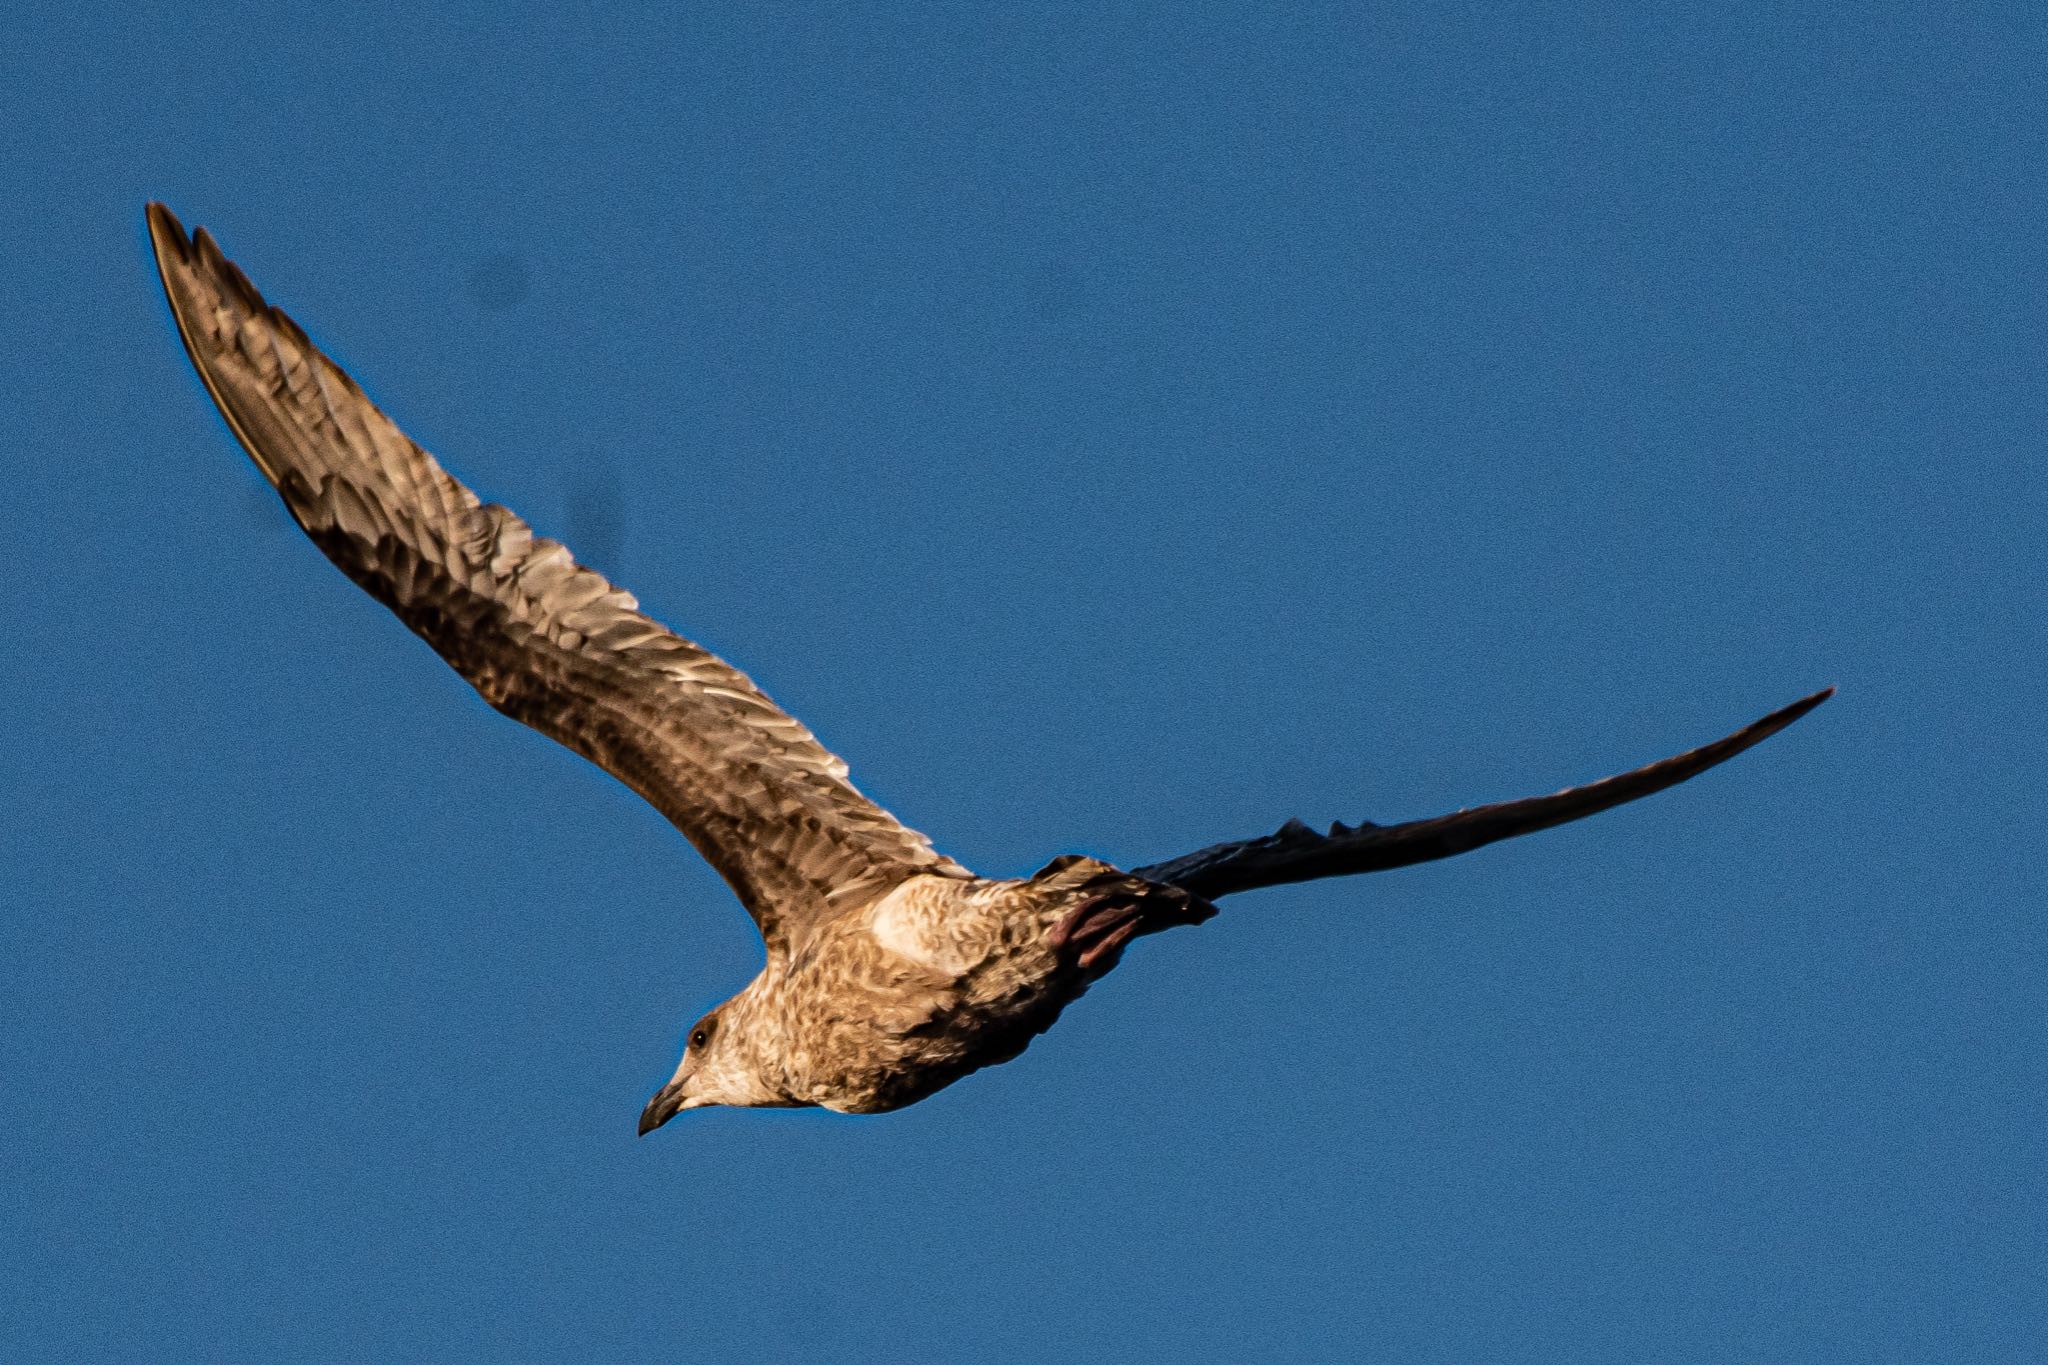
(1296,853)
(544,640)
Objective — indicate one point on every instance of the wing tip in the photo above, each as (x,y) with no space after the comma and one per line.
(1712,755)
(162,222)
(167,239)
(1785,715)
(200,254)
(1225,869)
(189,268)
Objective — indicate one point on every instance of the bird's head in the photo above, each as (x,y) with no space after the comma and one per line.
(718,1067)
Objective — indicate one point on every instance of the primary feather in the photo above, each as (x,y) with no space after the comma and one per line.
(543,639)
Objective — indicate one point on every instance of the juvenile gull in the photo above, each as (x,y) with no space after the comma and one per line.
(892,971)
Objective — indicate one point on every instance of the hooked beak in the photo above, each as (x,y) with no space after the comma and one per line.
(666,1104)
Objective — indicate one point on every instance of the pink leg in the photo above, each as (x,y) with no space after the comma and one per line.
(1098,927)
(1111,942)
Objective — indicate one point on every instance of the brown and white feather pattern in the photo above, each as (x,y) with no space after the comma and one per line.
(891,970)
(543,639)
(940,978)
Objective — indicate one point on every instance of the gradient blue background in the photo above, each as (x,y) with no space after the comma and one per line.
(1113,431)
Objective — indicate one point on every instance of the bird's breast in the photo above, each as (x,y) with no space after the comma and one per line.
(939,978)
(950,928)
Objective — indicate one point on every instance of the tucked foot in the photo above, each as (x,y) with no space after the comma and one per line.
(1096,930)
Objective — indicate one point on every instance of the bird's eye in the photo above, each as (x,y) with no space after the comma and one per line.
(699,1038)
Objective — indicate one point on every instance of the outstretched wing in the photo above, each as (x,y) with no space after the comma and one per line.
(1296,853)
(544,640)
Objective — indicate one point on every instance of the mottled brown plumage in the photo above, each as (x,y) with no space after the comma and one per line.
(892,970)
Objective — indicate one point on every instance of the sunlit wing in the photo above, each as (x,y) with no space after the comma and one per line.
(544,640)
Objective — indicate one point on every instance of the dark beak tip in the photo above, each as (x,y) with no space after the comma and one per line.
(666,1104)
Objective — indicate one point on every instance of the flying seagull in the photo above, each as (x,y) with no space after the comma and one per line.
(892,971)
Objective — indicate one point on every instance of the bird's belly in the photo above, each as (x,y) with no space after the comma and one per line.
(899,1069)
(901,1034)
(937,981)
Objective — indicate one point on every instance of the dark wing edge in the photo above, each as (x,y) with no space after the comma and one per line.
(1296,853)
(542,639)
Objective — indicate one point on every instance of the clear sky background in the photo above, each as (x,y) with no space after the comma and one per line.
(1113,428)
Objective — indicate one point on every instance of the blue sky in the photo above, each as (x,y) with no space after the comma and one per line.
(1113,429)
